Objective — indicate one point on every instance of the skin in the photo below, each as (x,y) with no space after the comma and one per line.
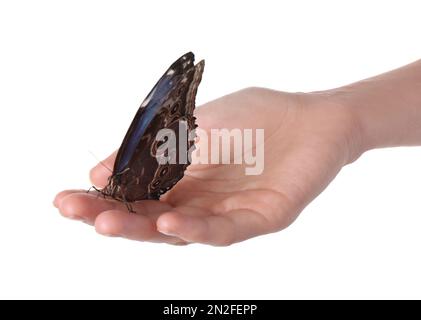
(309,137)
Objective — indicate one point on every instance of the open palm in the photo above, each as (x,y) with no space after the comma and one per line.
(307,141)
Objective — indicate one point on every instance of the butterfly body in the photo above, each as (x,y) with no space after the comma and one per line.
(137,175)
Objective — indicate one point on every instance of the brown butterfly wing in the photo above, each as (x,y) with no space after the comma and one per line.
(143,177)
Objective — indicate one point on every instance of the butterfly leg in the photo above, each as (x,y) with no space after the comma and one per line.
(95,188)
(100,192)
(128,205)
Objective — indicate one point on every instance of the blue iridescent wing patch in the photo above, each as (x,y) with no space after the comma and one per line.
(137,175)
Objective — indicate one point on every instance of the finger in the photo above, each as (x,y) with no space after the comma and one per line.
(214,230)
(100,173)
(61,195)
(218,230)
(138,227)
(84,206)
(87,206)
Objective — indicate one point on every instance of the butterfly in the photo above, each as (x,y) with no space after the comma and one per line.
(137,174)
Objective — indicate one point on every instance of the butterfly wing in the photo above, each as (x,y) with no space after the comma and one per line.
(137,174)
(150,107)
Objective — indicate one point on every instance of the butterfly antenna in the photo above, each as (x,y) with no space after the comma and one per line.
(97,159)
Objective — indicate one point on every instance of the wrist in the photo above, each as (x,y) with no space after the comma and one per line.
(359,137)
(385,110)
(344,122)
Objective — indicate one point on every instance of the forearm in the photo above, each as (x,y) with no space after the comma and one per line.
(385,108)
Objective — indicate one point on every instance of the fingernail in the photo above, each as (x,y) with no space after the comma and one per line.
(56,202)
(74,217)
(111,235)
(164,227)
(180,243)
(167,233)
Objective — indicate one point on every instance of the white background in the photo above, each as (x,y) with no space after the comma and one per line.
(72,74)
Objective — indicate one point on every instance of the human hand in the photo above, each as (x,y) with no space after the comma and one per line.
(308,138)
